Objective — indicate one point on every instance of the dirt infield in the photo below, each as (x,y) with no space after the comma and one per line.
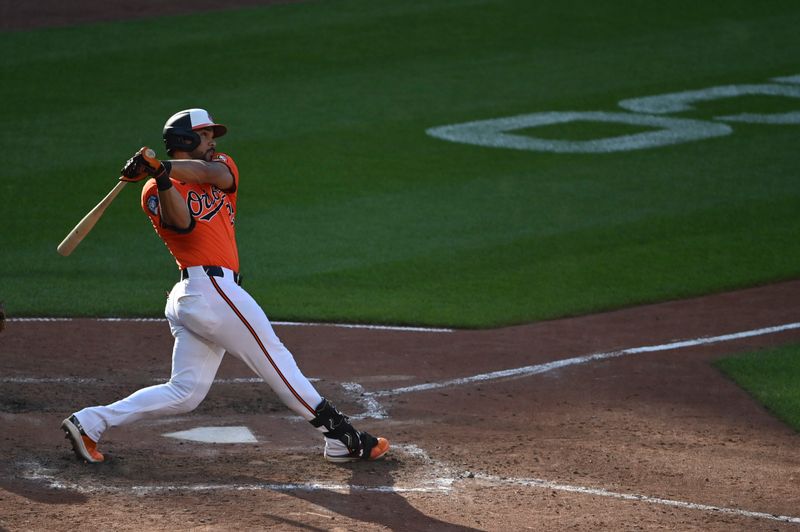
(629,438)
(614,421)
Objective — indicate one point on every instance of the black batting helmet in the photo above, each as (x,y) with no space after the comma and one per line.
(179,131)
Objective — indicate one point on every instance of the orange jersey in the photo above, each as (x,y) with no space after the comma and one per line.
(212,240)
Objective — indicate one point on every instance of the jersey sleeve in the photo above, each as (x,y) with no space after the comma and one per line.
(228,161)
(150,204)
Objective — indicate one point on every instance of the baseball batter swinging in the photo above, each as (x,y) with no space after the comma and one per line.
(191,201)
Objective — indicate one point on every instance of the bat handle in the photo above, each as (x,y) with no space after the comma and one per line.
(150,157)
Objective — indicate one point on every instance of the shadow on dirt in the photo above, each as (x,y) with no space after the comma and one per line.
(389,509)
(36,492)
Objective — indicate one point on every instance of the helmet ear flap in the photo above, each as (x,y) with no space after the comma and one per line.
(179,134)
(179,139)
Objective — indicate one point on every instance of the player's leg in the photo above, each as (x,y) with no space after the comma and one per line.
(194,364)
(249,335)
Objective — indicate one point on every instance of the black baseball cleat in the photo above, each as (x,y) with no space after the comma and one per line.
(343,443)
(370,448)
(85,448)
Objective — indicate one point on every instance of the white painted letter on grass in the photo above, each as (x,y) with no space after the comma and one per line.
(494,133)
(677,102)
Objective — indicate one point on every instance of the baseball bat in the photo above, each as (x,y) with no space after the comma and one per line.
(88,222)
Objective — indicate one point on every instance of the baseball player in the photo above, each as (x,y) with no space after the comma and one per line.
(191,201)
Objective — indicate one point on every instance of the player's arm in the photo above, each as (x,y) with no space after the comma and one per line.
(174,211)
(197,171)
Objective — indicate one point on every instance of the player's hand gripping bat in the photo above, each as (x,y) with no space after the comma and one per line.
(80,231)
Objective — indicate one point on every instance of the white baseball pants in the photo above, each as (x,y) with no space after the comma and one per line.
(209,316)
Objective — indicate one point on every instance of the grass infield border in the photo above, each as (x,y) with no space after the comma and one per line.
(771,376)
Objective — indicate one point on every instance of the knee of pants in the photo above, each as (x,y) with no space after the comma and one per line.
(187,395)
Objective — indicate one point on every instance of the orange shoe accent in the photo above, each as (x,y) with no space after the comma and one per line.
(85,448)
(91,448)
(380,449)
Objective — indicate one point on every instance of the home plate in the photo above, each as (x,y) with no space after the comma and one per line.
(215,435)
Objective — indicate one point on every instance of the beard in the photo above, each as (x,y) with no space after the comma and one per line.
(206,155)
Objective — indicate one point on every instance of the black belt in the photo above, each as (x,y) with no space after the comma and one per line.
(213,271)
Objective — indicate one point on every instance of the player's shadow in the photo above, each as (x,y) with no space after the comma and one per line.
(386,508)
(36,492)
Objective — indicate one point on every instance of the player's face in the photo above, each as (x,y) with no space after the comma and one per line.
(207,146)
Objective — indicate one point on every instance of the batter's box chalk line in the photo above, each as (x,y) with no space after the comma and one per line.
(434,477)
(372,408)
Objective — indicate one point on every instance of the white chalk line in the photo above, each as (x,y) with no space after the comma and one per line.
(53,483)
(105,382)
(436,483)
(558,364)
(374,410)
(38,319)
(399,328)
(600,492)
(53,380)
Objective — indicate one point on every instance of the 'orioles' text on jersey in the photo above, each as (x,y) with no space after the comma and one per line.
(212,239)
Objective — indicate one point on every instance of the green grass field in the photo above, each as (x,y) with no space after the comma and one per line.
(350,212)
(771,377)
